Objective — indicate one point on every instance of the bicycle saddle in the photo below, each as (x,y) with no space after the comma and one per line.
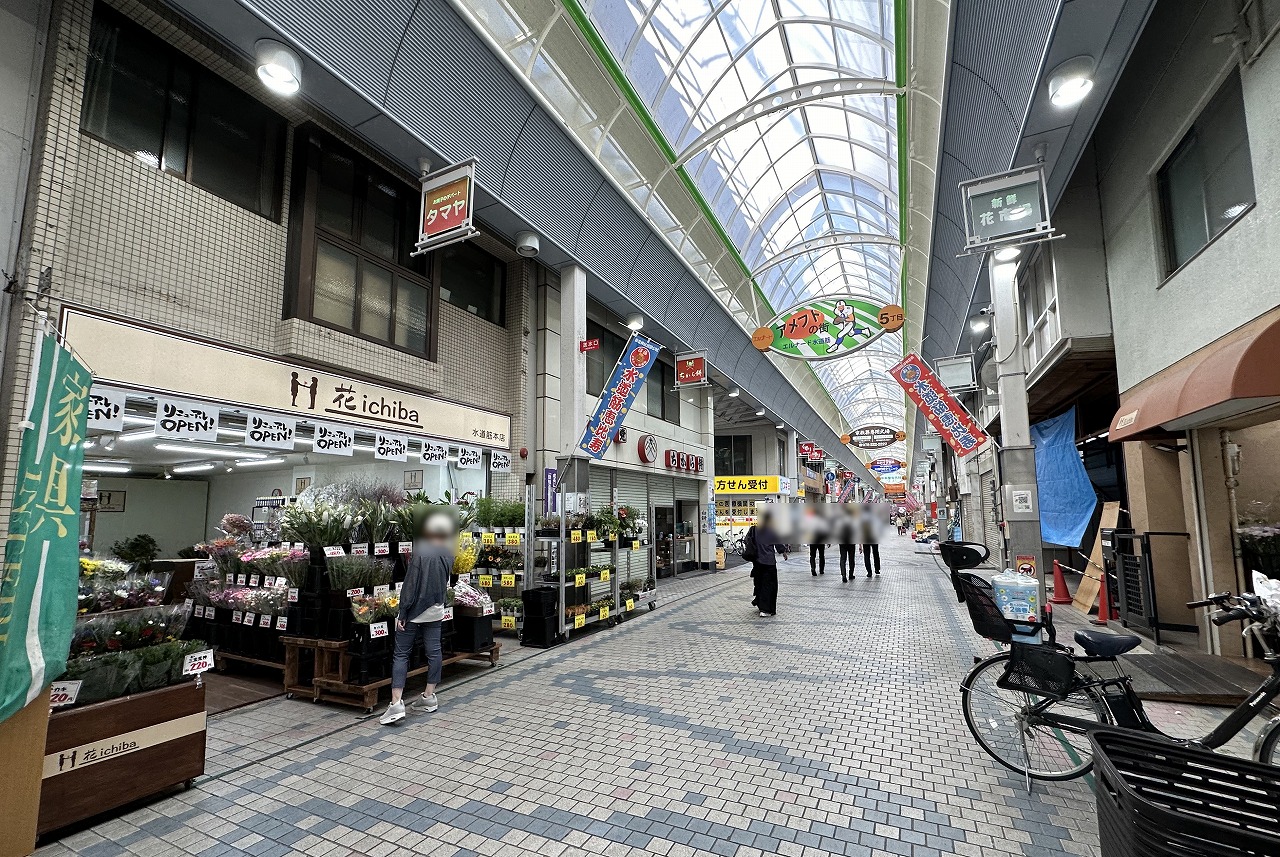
(1100,644)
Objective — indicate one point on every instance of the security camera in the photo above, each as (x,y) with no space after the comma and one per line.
(527,244)
(986,310)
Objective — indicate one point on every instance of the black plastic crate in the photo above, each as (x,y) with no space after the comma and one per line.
(541,601)
(540,631)
(472,633)
(1157,798)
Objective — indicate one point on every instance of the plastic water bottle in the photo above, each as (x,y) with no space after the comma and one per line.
(1018,598)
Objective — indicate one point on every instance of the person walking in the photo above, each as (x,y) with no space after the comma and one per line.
(818,534)
(847,533)
(764,568)
(422,613)
(870,539)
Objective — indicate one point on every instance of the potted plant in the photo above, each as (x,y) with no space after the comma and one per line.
(608,525)
(514,515)
(140,550)
(548,526)
(486,511)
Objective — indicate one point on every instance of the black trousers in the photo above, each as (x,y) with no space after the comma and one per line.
(818,557)
(848,559)
(867,552)
(766,587)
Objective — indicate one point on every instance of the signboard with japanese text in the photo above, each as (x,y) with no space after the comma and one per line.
(446,206)
(550,491)
(691,369)
(586,345)
(817,453)
(330,439)
(804,447)
(827,327)
(629,373)
(469,458)
(157,362)
(106,409)
(748,485)
(41,569)
(390,447)
(953,422)
(875,437)
(435,453)
(1005,208)
(179,420)
(886,465)
(270,431)
(499,462)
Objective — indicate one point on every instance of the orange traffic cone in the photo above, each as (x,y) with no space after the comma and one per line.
(1061,595)
(1104,602)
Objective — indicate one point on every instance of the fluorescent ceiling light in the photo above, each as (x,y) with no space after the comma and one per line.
(221,451)
(278,66)
(734,393)
(1071,81)
(635,321)
(780,425)
(1007,254)
(192,468)
(259,461)
(95,467)
(760,412)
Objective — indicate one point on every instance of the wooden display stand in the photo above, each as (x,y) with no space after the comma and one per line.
(103,756)
(22,740)
(332,689)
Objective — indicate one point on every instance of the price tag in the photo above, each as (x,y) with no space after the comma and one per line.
(591,535)
(513,540)
(486,580)
(382,549)
(198,611)
(333,550)
(203,571)
(405,548)
(187,605)
(575,536)
(604,574)
(399,586)
(264,621)
(448,614)
(487,610)
(360,550)
(631,604)
(488,539)
(635,545)
(197,662)
(579,579)
(242,579)
(299,546)
(282,623)
(293,596)
(237,617)
(249,618)
(63,693)
(579,620)
(380,591)
(508,623)
(255,580)
(377,630)
(604,612)
(466,539)
(508,580)
(355,592)
(465,578)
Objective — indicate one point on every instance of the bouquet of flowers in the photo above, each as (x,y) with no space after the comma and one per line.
(236,526)
(319,525)
(99,569)
(464,559)
(135,590)
(225,553)
(466,595)
(374,608)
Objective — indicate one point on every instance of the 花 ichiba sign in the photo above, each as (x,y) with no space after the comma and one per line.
(827,327)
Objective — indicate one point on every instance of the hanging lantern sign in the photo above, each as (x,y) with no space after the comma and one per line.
(827,327)
(446,207)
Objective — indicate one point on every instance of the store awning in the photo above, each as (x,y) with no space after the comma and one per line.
(1234,375)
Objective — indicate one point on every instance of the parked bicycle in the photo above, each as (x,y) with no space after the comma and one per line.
(733,544)
(1032,706)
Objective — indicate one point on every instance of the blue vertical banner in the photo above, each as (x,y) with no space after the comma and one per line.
(628,376)
(1067,498)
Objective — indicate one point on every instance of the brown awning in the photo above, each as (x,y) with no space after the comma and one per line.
(1233,375)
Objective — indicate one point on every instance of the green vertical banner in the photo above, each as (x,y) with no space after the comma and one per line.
(41,554)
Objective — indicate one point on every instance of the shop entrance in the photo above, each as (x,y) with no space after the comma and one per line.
(664,531)
(685,550)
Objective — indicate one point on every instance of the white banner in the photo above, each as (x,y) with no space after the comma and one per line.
(269,431)
(499,462)
(179,420)
(468,458)
(106,409)
(330,439)
(390,447)
(435,453)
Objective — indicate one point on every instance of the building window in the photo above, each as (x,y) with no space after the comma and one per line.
(601,361)
(663,399)
(352,231)
(472,279)
(1207,183)
(733,455)
(1038,295)
(144,98)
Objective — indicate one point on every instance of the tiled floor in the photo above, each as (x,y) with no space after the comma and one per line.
(698,729)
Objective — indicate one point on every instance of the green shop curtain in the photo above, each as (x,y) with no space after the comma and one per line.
(41,553)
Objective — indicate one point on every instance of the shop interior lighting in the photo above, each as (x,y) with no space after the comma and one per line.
(1008,254)
(780,425)
(168,474)
(89,443)
(222,452)
(256,462)
(1071,81)
(139,421)
(96,467)
(193,468)
(279,68)
(140,434)
(635,321)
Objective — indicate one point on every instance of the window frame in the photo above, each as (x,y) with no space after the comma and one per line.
(596,330)
(437,275)
(306,233)
(664,374)
(734,442)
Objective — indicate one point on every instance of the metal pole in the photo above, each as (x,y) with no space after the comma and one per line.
(1020,502)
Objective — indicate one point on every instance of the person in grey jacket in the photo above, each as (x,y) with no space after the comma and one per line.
(422,613)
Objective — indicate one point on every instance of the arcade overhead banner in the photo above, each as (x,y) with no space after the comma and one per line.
(874,437)
(952,420)
(827,327)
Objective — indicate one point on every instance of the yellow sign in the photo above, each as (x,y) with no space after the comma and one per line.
(591,535)
(465,539)
(508,580)
(604,612)
(508,623)
(604,574)
(486,580)
(488,539)
(579,620)
(747,485)
(575,536)
(579,580)
(631,604)
(635,546)
(513,539)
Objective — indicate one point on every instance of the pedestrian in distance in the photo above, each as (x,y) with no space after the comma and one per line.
(819,532)
(870,539)
(422,613)
(847,534)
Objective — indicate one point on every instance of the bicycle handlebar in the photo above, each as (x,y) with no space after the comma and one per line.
(1233,615)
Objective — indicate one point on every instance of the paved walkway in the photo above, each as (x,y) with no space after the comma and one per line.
(699,729)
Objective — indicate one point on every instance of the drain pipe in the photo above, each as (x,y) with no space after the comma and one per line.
(1230,470)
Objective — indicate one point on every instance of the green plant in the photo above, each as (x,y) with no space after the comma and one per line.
(486,512)
(549,522)
(539,562)
(511,513)
(319,525)
(357,572)
(141,550)
(607,523)
(509,605)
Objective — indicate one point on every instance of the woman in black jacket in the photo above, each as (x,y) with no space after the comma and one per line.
(422,613)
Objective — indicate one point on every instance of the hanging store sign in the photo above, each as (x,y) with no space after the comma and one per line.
(585,345)
(469,458)
(954,423)
(268,431)
(886,465)
(106,409)
(499,462)
(628,377)
(179,420)
(163,363)
(1006,208)
(827,327)
(435,453)
(875,437)
(390,447)
(817,453)
(691,369)
(446,206)
(749,485)
(330,439)
(804,447)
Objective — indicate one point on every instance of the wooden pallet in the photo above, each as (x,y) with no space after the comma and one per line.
(329,658)
(220,659)
(333,689)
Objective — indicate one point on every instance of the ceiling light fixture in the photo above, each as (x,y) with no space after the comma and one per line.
(279,68)
(95,467)
(760,412)
(635,321)
(259,461)
(193,468)
(140,434)
(222,452)
(1071,81)
(1235,211)
(979,325)
(734,393)
(780,425)
(1007,254)
(168,474)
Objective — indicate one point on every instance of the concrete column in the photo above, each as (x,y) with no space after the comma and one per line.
(573,363)
(791,467)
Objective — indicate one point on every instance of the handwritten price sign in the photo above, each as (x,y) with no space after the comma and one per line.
(604,612)
(488,539)
(635,545)
(333,550)
(63,693)
(576,537)
(591,535)
(513,540)
(508,580)
(486,580)
(197,662)
(359,550)
(579,580)
(604,574)
(378,629)
(508,623)
(631,604)
(579,621)
(382,549)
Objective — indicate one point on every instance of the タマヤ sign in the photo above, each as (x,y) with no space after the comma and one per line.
(446,206)
(875,437)
(827,327)
(951,419)
(629,374)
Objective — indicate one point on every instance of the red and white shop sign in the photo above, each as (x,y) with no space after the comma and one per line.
(648,448)
(805,448)
(952,420)
(691,368)
(683,461)
(588,344)
(816,453)
(446,206)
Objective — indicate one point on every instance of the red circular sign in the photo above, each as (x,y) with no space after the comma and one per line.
(648,448)
(640,357)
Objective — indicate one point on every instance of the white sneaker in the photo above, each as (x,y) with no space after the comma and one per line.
(764,614)
(393,714)
(425,703)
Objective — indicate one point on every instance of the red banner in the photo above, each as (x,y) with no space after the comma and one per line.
(691,369)
(956,425)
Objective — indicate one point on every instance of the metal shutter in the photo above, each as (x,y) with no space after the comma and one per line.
(688,489)
(633,490)
(662,491)
(601,487)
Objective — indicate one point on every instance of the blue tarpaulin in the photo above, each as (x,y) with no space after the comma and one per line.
(1067,498)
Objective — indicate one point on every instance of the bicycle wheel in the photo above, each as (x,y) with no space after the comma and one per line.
(1268,751)
(1023,743)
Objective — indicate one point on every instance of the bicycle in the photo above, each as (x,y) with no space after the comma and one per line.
(1031,707)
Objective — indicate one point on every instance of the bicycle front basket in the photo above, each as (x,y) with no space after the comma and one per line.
(1042,670)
